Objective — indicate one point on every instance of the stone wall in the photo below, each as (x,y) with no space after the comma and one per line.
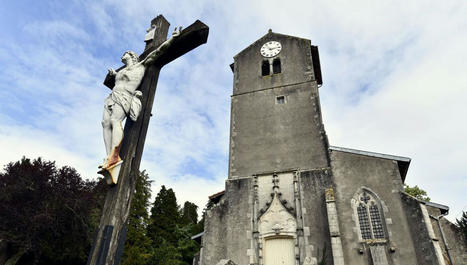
(296,64)
(421,231)
(227,234)
(315,220)
(266,136)
(453,235)
(354,172)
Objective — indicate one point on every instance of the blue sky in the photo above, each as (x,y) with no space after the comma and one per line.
(394,82)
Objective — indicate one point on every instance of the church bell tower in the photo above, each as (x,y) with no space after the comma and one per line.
(278,161)
(276,120)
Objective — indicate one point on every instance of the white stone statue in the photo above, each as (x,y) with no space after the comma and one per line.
(125,99)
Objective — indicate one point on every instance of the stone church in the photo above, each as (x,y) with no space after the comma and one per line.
(291,198)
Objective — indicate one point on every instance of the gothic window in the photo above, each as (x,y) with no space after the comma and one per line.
(363,221)
(265,68)
(376,221)
(276,66)
(369,217)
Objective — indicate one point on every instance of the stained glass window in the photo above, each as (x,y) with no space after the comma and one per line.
(365,228)
(376,222)
(369,218)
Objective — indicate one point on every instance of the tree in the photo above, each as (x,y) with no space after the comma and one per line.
(416,192)
(189,219)
(166,254)
(138,244)
(165,216)
(48,214)
(171,229)
(189,213)
(185,245)
(462,223)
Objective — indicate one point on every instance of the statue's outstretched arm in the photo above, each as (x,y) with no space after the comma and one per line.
(156,53)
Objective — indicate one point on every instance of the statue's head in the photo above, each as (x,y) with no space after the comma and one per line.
(132,56)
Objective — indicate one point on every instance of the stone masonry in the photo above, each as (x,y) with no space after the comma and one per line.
(291,198)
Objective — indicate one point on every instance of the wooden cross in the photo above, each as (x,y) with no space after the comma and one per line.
(110,238)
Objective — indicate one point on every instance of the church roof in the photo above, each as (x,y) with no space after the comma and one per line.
(267,36)
(215,198)
(402,162)
(443,208)
(198,237)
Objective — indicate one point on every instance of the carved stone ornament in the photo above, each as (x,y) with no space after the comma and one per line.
(277,220)
(310,261)
(226,262)
(329,193)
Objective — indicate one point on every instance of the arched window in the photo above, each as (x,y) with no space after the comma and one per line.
(276,66)
(265,68)
(369,216)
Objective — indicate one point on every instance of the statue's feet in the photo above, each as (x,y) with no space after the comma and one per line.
(111,173)
(104,163)
(113,161)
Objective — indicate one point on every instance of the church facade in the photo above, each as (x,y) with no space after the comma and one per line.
(291,198)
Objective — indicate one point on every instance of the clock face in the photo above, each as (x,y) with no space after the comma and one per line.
(271,49)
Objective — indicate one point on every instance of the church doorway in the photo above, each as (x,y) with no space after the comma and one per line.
(279,251)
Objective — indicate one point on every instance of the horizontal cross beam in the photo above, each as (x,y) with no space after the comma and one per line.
(191,37)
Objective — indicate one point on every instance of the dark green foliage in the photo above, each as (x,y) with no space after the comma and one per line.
(165,216)
(185,245)
(166,254)
(462,223)
(416,192)
(189,219)
(138,244)
(189,214)
(171,229)
(48,213)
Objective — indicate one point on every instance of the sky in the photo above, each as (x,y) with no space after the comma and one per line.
(394,82)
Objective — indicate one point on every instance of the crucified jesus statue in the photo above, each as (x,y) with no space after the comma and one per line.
(125,99)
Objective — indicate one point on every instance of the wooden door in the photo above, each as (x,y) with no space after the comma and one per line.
(279,251)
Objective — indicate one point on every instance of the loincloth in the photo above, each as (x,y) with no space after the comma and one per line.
(130,103)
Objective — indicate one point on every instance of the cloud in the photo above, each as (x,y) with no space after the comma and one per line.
(19,141)
(393,71)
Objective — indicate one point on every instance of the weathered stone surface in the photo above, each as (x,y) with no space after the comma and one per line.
(452,234)
(284,175)
(266,136)
(455,241)
(226,224)
(378,255)
(226,262)
(420,232)
(351,173)
(313,184)
(276,220)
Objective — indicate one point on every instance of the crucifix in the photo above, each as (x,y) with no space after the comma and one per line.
(133,89)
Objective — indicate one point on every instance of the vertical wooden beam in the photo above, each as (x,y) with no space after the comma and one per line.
(118,199)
